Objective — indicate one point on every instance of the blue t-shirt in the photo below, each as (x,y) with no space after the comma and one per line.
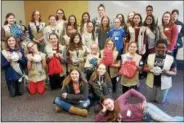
(117,36)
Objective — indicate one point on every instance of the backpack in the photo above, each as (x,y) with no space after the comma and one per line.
(107,57)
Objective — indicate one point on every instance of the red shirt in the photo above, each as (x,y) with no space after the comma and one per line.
(171,33)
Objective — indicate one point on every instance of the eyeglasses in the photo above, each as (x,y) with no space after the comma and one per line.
(60,13)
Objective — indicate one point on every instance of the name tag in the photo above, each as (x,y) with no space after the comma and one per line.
(116,38)
(129,113)
(166,29)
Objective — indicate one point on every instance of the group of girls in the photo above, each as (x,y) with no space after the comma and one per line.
(86,59)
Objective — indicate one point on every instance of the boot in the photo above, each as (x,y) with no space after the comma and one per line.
(58,109)
(78,111)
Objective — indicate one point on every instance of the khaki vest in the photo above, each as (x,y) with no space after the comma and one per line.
(37,72)
(166,82)
(73,55)
(39,34)
(62,50)
(133,81)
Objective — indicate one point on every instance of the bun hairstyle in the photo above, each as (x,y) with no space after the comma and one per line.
(101,5)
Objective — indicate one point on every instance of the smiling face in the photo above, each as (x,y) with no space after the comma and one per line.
(11,42)
(52,20)
(149,20)
(85,17)
(70,30)
(90,27)
(37,15)
(109,104)
(105,22)
(117,23)
(149,11)
(76,39)
(74,76)
(94,48)
(132,48)
(136,19)
(166,18)
(101,69)
(110,45)
(32,47)
(101,11)
(60,14)
(53,39)
(130,16)
(120,17)
(161,49)
(72,20)
(11,19)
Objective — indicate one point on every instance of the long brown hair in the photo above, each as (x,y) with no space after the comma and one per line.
(128,20)
(7,16)
(95,75)
(72,45)
(64,17)
(82,21)
(93,31)
(57,50)
(16,43)
(75,24)
(112,115)
(140,23)
(108,25)
(32,16)
(68,79)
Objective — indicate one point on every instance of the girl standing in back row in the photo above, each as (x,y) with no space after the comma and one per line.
(35,30)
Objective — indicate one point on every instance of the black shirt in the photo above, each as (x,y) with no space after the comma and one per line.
(159,61)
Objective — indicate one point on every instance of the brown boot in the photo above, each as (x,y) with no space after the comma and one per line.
(78,111)
(58,109)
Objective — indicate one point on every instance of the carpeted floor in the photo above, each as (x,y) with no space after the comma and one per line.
(40,108)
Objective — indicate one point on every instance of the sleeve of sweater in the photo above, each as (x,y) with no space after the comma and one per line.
(97,90)
(99,117)
(174,37)
(3,37)
(4,62)
(131,93)
(181,34)
(83,96)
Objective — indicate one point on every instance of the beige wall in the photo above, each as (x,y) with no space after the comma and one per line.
(16,7)
(49,7)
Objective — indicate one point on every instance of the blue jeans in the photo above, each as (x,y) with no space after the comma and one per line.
(156,94)
(66,106)
(158,115)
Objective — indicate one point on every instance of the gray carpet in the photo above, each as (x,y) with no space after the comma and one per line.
(40,108)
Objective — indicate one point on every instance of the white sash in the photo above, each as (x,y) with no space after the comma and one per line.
(15,66)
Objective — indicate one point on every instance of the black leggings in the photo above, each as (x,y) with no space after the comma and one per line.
(114,83)
(125,88)
(15,88)
(55,81)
